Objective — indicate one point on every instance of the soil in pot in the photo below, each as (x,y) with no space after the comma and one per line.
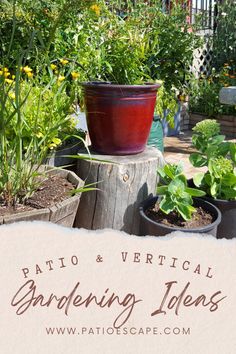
(52,190)
(209,215)
(200,218)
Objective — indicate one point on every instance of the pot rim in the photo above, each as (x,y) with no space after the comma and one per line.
(199,229)
(220,201)
(111,85)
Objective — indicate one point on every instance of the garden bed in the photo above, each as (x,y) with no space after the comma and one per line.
(51,202)
(227,123)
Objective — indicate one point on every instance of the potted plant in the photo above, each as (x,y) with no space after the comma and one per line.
(177,207)
(29,191)
(219,181)
(119,117)
(125,49)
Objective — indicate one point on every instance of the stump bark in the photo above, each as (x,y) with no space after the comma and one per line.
(123,182)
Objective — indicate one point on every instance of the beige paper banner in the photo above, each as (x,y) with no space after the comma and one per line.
(67,291)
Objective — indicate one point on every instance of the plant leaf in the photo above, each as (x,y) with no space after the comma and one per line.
(167,205)
(197,160)
(198,179)
(195,192)
(185,211)
(233,152)
(213,189)
(162,190)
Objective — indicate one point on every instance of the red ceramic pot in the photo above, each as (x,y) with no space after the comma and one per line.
(119,117)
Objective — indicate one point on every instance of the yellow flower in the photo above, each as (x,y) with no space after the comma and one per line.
(96,9)
(13,77)
(52,146)
(1,72)
(39,135)
(64,61)
(29,74)
(74,75)
(61,78)
(55,142)
(12,95)
(53,66)
(27,69)
(9,81)
(5,70)
(6,74)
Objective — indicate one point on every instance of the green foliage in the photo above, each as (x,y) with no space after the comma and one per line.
(54,105)
(175,193)
(129,42)
(207,128)
(224,45)
(204,97)
(220,179)
(140,43)
(143,43)
(220,158)
(32,113)
(166,106)
(208,143)
(53,23)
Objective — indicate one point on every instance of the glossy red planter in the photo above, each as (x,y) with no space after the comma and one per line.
(119,117)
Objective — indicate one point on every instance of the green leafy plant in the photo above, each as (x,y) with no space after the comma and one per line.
(26,109)
(48,88)
(224,33)
(209,143)
(204,91)
(219,156)
(136,42)
(220,179)
(167,105)
(53,22)
(175,193)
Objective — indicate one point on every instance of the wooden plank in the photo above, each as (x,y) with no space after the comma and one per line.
(40,214)
(62,209)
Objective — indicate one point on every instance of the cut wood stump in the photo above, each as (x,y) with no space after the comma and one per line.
(123,182)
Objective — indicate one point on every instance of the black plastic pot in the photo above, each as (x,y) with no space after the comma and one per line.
(60,156)
(227,227)
(152,228)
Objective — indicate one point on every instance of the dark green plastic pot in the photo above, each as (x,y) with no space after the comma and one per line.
(156,134)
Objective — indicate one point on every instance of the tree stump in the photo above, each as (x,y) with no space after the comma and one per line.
(123,182)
